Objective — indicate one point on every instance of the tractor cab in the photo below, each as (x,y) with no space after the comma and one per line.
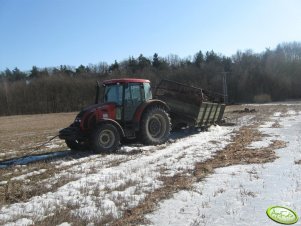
(127,94)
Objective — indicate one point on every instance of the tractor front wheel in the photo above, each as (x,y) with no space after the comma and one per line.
(155,126)
(105,138)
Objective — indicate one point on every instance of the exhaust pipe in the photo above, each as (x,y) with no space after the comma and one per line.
(97,92)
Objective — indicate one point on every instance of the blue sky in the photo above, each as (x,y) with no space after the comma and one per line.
(48,33)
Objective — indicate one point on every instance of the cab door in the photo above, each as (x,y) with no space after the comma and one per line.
(133,97)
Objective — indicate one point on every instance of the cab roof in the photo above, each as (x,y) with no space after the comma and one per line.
(125,80)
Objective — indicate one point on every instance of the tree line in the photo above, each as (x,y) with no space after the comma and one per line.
(273,75)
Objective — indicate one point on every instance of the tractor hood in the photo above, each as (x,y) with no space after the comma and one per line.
(89,109)
(99,109)
(94,107)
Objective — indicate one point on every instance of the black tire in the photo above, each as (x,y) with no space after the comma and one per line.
(75,145)
(105,138)
(155,126)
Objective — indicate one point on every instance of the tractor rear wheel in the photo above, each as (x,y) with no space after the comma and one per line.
(155,126)
(105,138)
(76,145)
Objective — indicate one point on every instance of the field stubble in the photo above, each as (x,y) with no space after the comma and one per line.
(22,132)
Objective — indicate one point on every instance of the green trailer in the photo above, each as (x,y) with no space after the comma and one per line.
(191,106)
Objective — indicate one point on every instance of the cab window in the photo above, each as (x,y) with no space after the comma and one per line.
(133,92)
(113,93)
(147,91)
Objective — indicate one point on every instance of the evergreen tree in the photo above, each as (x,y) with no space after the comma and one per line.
(81,69)
(34,73)
(143,62)
(114,66)
(156,61)
(198,59)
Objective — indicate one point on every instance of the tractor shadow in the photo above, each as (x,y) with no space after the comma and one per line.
(133,147)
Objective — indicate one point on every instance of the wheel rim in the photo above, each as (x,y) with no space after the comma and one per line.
(106,138)
(157,126)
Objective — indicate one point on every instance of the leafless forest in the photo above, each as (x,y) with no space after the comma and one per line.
(273,75)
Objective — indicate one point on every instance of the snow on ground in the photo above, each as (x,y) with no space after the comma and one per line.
(107,185)
(22,221)
(24,176)
(241,194)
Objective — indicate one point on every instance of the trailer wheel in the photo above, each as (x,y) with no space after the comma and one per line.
(76,145)
(155,126)
(105,138)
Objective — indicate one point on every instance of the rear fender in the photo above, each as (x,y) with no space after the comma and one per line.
(113,122)
(143,108)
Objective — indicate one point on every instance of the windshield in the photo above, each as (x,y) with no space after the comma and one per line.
(113,93)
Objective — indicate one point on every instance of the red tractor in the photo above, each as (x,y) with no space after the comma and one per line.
(126,112)
(129,111)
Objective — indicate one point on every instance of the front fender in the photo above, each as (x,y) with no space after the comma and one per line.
(113,122)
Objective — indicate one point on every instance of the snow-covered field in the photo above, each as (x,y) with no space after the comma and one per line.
(101,188)
(107,185)
(241,194)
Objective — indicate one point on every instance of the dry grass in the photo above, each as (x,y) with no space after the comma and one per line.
(17,135)
(25,131)
(298,162)
(37,184)
(276,125)
(65,215)
(219,191)
(22,190)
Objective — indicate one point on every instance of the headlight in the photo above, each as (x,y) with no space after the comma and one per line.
(77,120)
